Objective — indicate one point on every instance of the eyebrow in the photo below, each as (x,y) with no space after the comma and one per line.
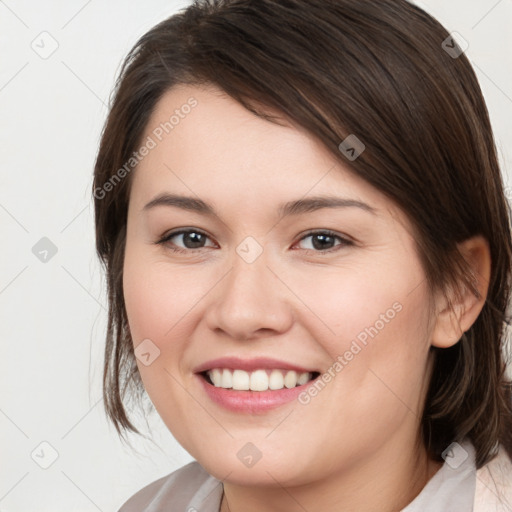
(290,208)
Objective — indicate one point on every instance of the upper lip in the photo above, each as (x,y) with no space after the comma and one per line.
(249,365)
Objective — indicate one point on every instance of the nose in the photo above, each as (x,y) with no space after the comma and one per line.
(250,302)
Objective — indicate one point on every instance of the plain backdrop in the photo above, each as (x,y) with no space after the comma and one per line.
(58,62)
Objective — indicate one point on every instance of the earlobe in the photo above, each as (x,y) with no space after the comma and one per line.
(452,323)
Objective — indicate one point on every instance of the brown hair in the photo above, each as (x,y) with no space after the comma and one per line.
(374,68)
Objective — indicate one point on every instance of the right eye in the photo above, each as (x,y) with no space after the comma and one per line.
(190,238)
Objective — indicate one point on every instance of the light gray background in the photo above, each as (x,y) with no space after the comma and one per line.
(53,313)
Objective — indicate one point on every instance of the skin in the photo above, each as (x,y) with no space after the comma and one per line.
(356,445)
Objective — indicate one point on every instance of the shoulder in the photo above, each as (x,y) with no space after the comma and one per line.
(188,484)
(493,492)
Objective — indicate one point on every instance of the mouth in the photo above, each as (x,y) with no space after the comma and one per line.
(254,386)
(263,379)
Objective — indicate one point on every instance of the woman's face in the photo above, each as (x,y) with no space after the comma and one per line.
(254,280)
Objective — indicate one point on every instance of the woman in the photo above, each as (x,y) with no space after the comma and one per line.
(308,253)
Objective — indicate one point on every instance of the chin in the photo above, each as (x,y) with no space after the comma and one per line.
(265,473)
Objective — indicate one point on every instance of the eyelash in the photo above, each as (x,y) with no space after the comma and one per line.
(344,241)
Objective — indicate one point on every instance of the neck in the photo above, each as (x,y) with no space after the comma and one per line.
(387,483)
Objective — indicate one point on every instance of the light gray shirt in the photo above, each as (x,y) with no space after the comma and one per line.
(192,489)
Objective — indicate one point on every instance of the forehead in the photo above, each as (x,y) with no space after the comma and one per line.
(204,143)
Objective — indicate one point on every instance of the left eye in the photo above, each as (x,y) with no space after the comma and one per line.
(322,241)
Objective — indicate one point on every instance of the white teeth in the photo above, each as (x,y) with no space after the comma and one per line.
(227,379)
(241,380)
(216,376)
(276,380)
(258,380)
(303,378)
(290,380)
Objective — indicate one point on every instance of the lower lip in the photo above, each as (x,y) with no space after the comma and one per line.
(251,401)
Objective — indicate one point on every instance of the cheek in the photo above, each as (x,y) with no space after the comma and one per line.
(156,307)
(374,323)
(365,301)
(384,354)
(158,299)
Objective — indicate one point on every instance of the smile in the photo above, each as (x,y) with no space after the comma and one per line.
(258,380)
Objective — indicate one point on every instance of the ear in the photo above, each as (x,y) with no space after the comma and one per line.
(450,324)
